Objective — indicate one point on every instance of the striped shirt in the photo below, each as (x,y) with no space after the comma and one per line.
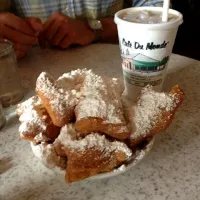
(92,9)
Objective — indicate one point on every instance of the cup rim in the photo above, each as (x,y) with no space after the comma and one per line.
(5,41)
(158,26)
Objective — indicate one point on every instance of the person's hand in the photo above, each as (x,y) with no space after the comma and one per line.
(36,25)
(16,29)
(23,33)
(21,49)
(62,31)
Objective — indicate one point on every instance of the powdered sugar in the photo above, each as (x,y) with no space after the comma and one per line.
(32,117)
(29,104)
(92,103)
(41,138)
(93,140)
(31,123)
(123,129)
(148,110)
(122,168)
(45,82)
(72,80)
(101,99)
(59,98)
(47,154)
(91,107)
(95,95)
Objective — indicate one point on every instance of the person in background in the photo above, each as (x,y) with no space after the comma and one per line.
(61,23)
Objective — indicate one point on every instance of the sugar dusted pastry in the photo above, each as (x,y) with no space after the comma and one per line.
(62,95)
(72,80)
(33,102)
(90,155)
(153,113)
(58,102)
(36,124)
(100,108)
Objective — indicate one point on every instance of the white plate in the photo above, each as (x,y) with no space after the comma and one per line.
(139,155)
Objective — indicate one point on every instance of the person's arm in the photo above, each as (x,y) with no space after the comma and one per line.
(109,33)
(62,31)
(23,33)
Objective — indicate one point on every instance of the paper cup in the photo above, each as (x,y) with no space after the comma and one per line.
(145,50)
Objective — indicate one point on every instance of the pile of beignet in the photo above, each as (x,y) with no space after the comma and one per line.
(83,124)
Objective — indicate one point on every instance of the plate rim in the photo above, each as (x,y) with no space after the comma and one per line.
(142,153)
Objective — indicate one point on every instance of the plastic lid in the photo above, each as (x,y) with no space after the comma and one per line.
(158,26)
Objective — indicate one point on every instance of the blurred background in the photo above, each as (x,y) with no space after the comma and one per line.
(188,37)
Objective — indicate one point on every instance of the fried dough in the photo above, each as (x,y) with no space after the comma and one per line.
(153,113)
(90,155)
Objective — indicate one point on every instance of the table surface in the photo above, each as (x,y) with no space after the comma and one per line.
(170,171)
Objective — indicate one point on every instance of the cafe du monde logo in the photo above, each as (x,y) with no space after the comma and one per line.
(148,46)
(140,62)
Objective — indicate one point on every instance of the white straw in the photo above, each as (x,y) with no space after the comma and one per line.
(165,10)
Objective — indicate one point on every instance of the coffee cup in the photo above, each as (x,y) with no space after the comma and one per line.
(146,44)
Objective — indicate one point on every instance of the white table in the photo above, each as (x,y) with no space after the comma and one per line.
(171,171)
